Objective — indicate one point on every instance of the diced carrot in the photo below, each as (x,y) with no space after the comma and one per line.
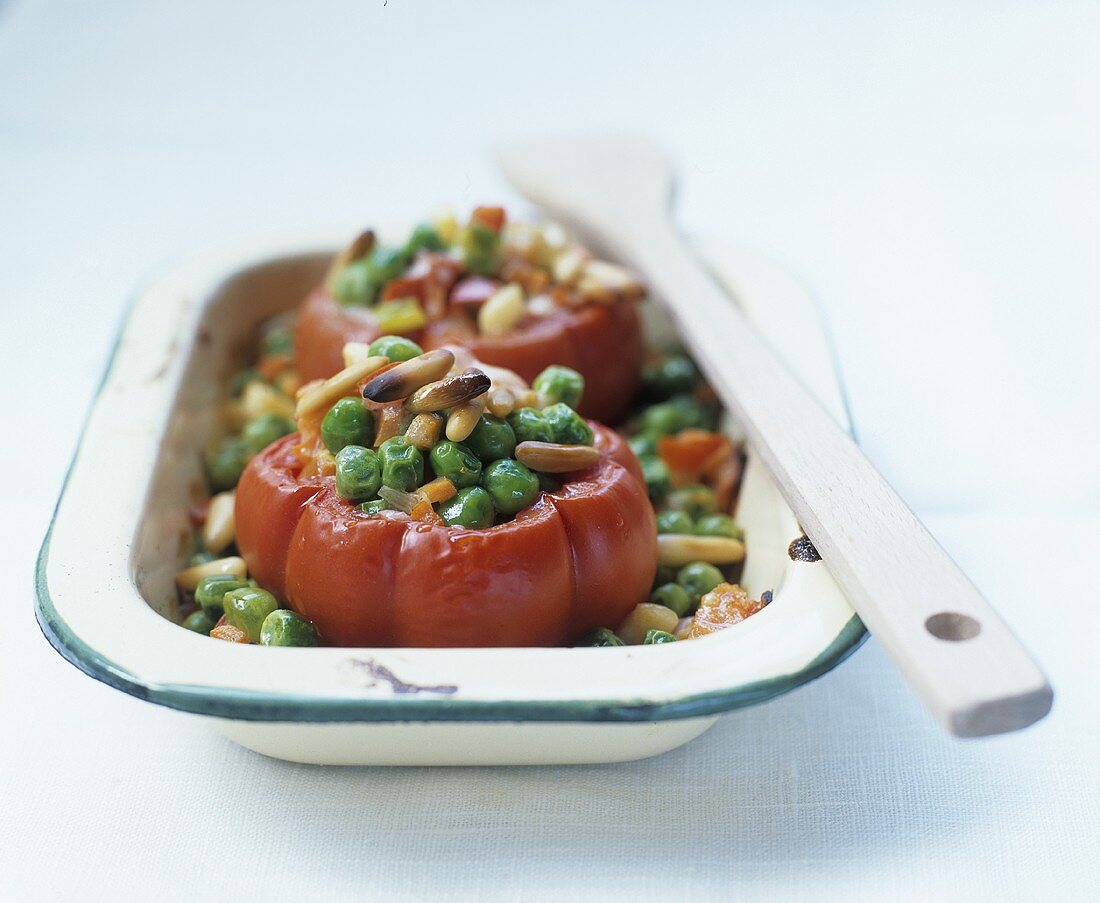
(229,633)
(690,450)
(489,217)
(273,364)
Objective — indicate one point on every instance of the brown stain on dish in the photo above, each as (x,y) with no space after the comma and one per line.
(802,549)
(380,673)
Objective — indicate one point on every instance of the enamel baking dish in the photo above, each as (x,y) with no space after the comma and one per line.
(106,598)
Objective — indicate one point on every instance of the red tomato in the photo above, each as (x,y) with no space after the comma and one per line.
(603,343)
(578,558)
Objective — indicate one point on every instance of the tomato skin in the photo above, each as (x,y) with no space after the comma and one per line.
(580,557)
(602,342)
(270,500)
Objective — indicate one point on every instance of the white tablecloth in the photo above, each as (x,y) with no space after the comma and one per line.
(931,172)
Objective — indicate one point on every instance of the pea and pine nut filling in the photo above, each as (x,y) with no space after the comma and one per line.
(420,477)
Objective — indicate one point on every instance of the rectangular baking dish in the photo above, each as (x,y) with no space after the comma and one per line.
(106,601)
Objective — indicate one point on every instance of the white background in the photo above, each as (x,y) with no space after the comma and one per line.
(931,171)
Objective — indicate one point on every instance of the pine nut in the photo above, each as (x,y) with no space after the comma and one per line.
(500,401)
(188,579)
(405,378)
(678,549)
(569,264)
(355,352)
(449,392)
(259,398)
(550,457)
(646,616)
(336,387)
(502,311)
(614,277)
(218,530)
(462,419)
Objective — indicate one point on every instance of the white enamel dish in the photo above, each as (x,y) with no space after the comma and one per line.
(106,599)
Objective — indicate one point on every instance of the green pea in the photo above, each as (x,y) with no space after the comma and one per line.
(278,341)
(241,380)
(287,628)
(481,249)
(674,522)
(348,422)
(492,439)
(200,622)
(402,464)
(455,462)
(557,383)
(601,636)
(374,506)
(669,376)
(512,486)
(423,238)
(225,466)
(699,578)
(657,476)
(396,347)
(674,596)
(718,525)
(694,500)
(471,507)
(656,637)
(530,426)
(210,592)
(693,413)
(386,264)
(662,419)
(643,444)
(356,285)
(259,433)
(247,607)
(567,426)
(359,473)
(665,574)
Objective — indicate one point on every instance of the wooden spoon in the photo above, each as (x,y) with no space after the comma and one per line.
(959,656)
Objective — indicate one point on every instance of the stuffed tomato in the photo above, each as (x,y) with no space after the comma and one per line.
(427,500)
(514,295)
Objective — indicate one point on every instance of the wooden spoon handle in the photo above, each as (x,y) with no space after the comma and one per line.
(950,644)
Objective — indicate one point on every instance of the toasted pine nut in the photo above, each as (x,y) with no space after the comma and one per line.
(361,247)
(438,490)
(502,311)
(500,401)
(218,530)
(448,392)
(646,616)
(336,387)
(550,457)
(528,398)
(462,419)
(678,549)
(354,352)
(260,398)
(229,633)
(405,378)
(425,430)
(188,579)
